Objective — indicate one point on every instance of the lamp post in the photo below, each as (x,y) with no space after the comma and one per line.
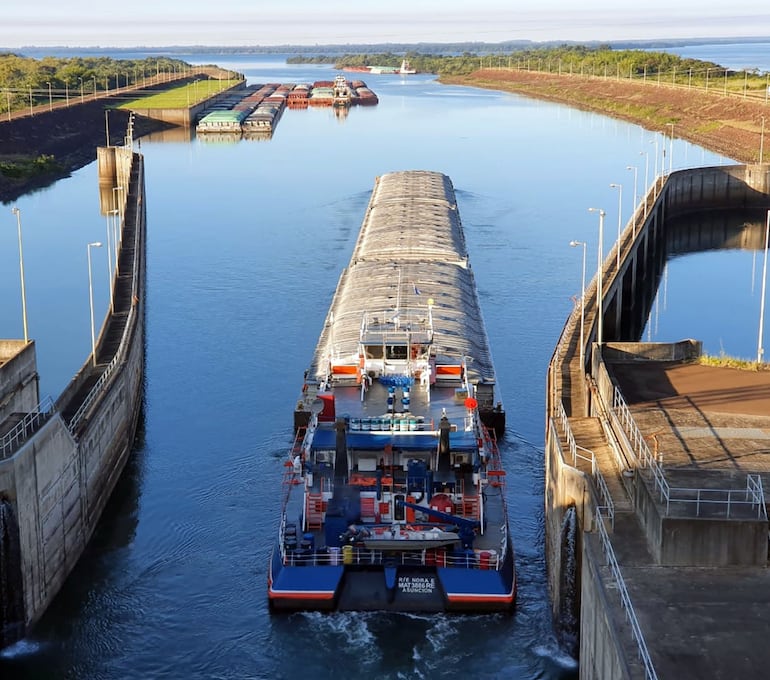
(636,172)
(619,187)
(17,212)
(671,149)
(50,96)
(95,244)
(115,226)
(762,140)
(82,98)
(109,258)
(599,300)
(574,244)
(94,86)
(760,349)
(646,178)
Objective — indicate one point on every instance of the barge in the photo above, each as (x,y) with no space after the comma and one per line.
(393,492)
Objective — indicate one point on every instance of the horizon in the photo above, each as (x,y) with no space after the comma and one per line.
(304,23)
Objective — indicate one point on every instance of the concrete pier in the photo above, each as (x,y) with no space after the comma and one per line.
(660,458)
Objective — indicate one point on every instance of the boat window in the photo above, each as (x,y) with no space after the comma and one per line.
(396,352)
(374,351)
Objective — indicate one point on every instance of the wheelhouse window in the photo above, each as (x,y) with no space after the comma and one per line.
(396,352)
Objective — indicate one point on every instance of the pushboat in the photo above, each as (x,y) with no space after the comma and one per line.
(393,491)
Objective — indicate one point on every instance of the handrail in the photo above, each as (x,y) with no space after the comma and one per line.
(95,391)
(608,505)
(621,414)
(26,426)
(628,607)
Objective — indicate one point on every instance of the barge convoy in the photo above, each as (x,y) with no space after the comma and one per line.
(393,491)
(256,109)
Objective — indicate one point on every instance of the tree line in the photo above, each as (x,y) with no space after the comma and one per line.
(28,82)
(601,60)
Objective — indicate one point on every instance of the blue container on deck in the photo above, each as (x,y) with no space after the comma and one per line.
(309,539)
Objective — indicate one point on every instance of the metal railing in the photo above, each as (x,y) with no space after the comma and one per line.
(25,427)
(627,605)
(127,168)
(725,499)
(607,506)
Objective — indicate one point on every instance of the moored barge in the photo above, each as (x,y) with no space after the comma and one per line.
(393,491)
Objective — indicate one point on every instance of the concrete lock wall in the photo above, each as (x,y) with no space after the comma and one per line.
(18,378)
(607,649)
(602,652)
(61,482)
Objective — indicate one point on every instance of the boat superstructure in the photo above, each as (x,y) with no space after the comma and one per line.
(394,488)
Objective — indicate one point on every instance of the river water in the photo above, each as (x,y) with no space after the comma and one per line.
(246,243)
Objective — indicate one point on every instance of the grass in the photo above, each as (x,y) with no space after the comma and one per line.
(181,97)
(724,361)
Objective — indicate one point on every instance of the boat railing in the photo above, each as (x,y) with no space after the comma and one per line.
(349,555)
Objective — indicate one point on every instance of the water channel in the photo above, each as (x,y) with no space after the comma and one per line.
(246,243)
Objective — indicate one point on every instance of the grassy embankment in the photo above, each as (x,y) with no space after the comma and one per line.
(182,96)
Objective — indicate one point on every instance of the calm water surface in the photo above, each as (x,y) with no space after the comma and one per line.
(246,243)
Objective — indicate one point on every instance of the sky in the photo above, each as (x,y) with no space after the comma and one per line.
(152,23)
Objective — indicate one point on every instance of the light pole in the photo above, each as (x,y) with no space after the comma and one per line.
(636,195)
(109,258)
(646,179)
(671,149)
(82,98)
(94,86)
(762,140)
(95,244)
(582,303)
(50,96)
(599,303)
(760,349)
(619,187)
(115,226)
(17,212)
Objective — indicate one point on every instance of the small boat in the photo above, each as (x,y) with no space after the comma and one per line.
(393,490)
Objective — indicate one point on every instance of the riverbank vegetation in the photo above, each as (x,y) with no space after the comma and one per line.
(600,61)
(26,82)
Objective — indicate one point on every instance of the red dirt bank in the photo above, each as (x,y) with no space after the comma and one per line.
(729,125)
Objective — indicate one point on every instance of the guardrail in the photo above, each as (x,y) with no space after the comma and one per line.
(607,507)
(96,390)
(724,499)
(627,605)
(30,423)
